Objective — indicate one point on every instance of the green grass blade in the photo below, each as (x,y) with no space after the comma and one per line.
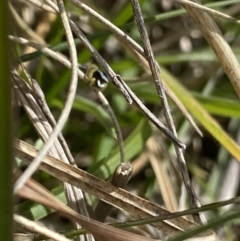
(35,211)
(217,221)
(214,105)
(85,105)
(219,106)
(6,227)
(132,146)
(200,114)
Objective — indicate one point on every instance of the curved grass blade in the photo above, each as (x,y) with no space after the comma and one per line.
(201,114)
(214,105)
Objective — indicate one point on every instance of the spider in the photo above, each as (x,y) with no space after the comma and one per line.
(94,77)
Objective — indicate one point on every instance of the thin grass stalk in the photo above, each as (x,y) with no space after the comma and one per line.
(5,131)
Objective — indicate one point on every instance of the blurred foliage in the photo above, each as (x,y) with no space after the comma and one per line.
(181,50)
(6,163)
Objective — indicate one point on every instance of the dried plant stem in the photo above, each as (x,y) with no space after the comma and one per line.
(109,25)
(120,178)
(215,39)
(41,100)
(30,33)
(41,5)
(47,51)
(133,97)
(35,227)
(137,52)
(119,82)
(30,103)
(36,192)
(108,108)
(96,55)
(63,60)
(155,69)
(65,113)
(105,191)
(208,10)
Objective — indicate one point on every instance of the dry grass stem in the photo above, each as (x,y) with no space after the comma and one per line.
(120,198)
(219,45)
(65,112)
(36,228)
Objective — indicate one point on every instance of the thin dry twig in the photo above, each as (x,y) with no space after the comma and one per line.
(215,39)
(98,82)
(26,96)
(43,104)
(161,93)
(116,78)
(63,60)
(123,171)
(136,50)
(65,113)
(47,51)
(21,23)
(34,191)
(40,99)
(209,10)
(108,108)
(137,101)
(41,5)
(105,103)
(162,176)
(119,82)
(120,198)
(150,115)
(34,227)
(109,25)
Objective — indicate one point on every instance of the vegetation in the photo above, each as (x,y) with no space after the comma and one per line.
(200,73)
